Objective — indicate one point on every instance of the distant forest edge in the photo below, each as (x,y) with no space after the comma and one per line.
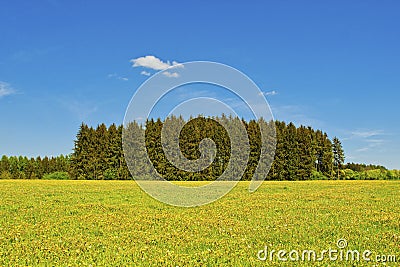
(302,153)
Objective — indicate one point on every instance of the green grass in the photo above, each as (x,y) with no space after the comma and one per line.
(114,223)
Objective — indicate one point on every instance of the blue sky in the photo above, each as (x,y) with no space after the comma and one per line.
(334,65)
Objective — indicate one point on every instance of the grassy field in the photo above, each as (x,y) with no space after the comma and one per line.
(97,223)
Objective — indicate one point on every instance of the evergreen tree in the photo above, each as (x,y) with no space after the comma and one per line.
(338,155)
(80,159)
(4,164)
(306,156)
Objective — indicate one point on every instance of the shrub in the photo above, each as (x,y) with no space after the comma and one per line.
(318,176)
(110,174)
(56,176)
(349,174)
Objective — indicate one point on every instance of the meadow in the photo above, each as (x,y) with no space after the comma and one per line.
(114,223)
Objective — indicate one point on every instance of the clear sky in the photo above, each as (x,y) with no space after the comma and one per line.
(334,65)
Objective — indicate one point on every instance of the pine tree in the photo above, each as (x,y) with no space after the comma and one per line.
(5,168)
(292,154)
(305,152)
(338,155)
(39,168)
(113,153)
(4,164)
(80,158)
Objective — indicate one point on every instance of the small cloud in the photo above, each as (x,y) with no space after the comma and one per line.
(273,92)
(270,93)
(150,62)
(177,65)
(116,76)
(366,134)
(171,74)
(371,144)
(363,149)
(145,73)
(6,89)
(154,63)
(365,137)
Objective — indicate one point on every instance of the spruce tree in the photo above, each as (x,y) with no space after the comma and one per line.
(338,155)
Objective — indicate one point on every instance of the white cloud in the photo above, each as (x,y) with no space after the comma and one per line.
(365,141)
(371,144)
(270,93)
(273,92)
(116,76)
(375,141)
(145,73)
(6,89)
(366,134)
(154,63)
(171,74)
(176,64)
(150,62)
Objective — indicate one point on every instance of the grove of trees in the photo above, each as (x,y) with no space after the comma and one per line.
(32,168)
(302,153)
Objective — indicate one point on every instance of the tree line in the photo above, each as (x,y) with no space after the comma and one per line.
(302,153)
(34,168)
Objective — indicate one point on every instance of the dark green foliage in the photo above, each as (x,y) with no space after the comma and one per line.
(357,167)
(315,175)
(33,168)
(370,174)
(306,157)
(56,176)
(254,134)
(302,153)
(190,137)
(338,155)
(98,154)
